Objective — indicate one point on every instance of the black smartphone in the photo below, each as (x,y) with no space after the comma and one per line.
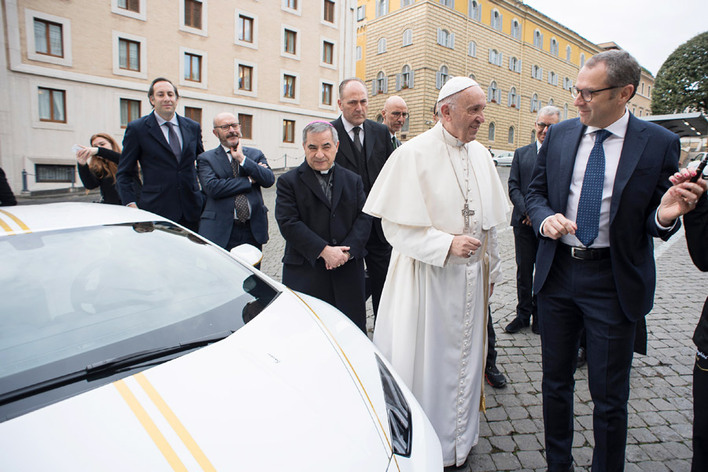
(699,169)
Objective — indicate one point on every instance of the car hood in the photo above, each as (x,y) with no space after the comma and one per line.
(279,394)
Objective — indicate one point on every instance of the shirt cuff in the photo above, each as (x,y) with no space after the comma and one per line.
(658,225)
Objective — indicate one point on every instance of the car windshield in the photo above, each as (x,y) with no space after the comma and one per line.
(77,297)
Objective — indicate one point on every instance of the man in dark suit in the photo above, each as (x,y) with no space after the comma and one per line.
(232,176)
(525,240)
(167,146)
(394,114)
(364,147)
(597,198)
(318,209)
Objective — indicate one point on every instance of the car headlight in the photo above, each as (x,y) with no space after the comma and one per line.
(398,412)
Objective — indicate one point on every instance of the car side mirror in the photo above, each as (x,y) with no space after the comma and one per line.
(247,254)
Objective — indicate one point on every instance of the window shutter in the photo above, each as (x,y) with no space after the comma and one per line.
(385,85)
(452,41)
(410,80)
(438,80)
(398,82)
(373,87)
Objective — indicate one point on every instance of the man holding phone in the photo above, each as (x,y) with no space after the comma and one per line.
(231,176)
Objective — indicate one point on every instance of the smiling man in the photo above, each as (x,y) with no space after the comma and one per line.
(439,198)
(166,145)
(318,210)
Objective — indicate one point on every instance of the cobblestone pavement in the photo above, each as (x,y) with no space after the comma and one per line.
(660,405)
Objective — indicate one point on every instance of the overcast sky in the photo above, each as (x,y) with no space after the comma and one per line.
(650,30)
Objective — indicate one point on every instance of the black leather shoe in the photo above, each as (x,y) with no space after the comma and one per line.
(534,326)
(494,378)
(582,357)
(516,325)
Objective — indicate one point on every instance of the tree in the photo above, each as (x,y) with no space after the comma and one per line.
(681,86)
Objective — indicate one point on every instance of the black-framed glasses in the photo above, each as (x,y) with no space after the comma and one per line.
(587,93)
(230,125)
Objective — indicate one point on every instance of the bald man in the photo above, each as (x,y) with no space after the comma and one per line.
(232,176)
(395,114)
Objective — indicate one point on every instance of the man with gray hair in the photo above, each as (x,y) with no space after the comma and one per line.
(525,240)
(439,198)
(318,210)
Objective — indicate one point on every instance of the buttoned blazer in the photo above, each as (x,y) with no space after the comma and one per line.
(377,148)
(308,222)
(519,179)
(648,157)
(170,187)
(221,187)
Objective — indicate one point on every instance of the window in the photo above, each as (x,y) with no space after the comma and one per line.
(441,77)
(327,52)
(514,98)
(381,7)
(129,111)
(246,125)
(538,39)
(582,59)
(534,102)
(405,3)
(289,86)
(515,64)
(328,13)
(445,38)
(492,129)
(193,13)
(474,10)
(54,173)
(194,114)
(533,135)
(361,13)
(326,94)
(131,5)
(380,84)
(515,29)
(48,38)
(537,72)
(568,51)
(192,67)
(358,53)
(554,46)
(129,55)
(290,41)
(641,87)
(552,78)
(472,49)
(245,29)
(245,78)
(290,4)
(52,105)
(496,20)
(648,90)
(565,111)
(511,135)
(567,83)
(407,37)
(381,46)
(495,57)
(448,3)
(493,92)
(550,101)
(404,80)
(288,131)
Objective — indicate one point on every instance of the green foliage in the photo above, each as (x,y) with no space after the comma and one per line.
(681,86)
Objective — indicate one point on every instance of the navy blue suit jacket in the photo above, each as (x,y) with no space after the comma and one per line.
(519,179)
(170,188)
(220,186)
(649,156)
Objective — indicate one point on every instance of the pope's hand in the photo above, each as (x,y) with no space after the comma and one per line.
(464,246)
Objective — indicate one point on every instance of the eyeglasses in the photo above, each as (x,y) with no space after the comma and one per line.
(542,126)
(587,93)
(398,114)
(230,125)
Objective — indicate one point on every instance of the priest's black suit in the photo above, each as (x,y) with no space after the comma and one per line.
(308,222)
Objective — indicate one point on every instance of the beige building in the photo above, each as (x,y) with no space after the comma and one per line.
(523,59)
(72,68)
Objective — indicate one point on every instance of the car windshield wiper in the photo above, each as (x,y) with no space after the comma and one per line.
(111,366)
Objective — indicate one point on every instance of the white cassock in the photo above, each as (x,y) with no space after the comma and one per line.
(432,317)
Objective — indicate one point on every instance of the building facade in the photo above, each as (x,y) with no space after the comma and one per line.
(74,68)
(523,60)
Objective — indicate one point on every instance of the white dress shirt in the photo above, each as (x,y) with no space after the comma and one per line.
(166,131)
(348,127)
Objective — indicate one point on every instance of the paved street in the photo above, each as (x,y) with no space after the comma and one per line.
(660,406)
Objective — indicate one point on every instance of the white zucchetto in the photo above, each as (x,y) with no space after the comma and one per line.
(454,85)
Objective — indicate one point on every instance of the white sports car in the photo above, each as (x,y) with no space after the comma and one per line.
(130,343)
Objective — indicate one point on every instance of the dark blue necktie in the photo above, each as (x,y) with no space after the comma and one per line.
(174,140)
(588,218)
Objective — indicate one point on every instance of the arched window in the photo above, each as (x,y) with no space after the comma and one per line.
(495,57)
(534,102)
(550,101)
(407,37)
(538,39)
(381,7)
(567,53)
(492,129)
(513,98)
(533,135)
(381,46)
(493,92)
(441,77)
(445,38)
(472,49)
(381,86)
(515,29)
(582,59)
(514,64)
(448,3)
(474,10)
(496,20)
(554,46)
(405,78)
(511,135)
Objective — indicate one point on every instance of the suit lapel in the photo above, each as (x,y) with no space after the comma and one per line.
(368,139)
(569,149)
(307,176)
(346,148)
(155,131)
(635,140)
(336,185)
(223,161)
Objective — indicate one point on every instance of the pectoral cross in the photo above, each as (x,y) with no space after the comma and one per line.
(466,213)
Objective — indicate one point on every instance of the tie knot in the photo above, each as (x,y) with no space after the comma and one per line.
(601,135)
(356,130)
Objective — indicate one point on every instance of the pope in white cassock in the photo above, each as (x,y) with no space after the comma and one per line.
(439,198)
